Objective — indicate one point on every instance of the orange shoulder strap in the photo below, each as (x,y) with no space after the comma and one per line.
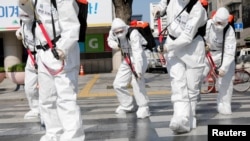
(82,1)
(142,24)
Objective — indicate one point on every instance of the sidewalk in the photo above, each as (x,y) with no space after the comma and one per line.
(7,90)
(102,84)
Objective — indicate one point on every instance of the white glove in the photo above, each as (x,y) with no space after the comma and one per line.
(116,46)
(19,34)
(156,12)
(113,44)
(139,76)
(164,49)
(207,47)
(60,54)
(221,72)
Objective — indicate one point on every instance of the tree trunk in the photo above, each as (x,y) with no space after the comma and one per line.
(123,9)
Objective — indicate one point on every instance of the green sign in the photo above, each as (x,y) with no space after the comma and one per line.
(94,43)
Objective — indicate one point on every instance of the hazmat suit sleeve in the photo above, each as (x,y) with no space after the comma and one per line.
(69,24)
(162,6)
(208,26)
(196,19)
(112,41)
(229,50)
(136,42)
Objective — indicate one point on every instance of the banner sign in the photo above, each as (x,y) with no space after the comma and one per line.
(99,14)
(94,43)
(9,19)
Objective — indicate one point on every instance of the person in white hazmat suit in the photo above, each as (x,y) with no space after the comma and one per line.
(226,60)
(58,78)
(24,33)
(117,40)
(185,55)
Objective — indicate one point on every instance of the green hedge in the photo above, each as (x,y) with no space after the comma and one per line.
(2,69)
(247,39)
(17,68)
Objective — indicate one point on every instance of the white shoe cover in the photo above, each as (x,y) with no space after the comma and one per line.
(32,114)
(180,122)
(181,125)
(224,109)
(124,110)
(193,122)
(143,112)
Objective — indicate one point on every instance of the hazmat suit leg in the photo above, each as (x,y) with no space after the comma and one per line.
(225,85)
(140,94)
(194,77)
(48,107)
(31,90)
(67,108)
(120,84)
(185,93)
(59,110)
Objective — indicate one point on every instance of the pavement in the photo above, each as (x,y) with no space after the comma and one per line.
(98,102)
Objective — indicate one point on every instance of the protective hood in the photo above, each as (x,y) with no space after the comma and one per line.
(220,19)
(221,15)
(119,25)
(26,6)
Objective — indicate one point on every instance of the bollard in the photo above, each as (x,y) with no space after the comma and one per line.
(81,71)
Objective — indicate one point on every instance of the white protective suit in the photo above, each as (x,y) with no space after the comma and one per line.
(58,79)
(124,74)
(214,39)
(31,90)
(185,59)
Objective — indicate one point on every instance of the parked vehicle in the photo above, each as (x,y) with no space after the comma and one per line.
(243,59)
(155,63)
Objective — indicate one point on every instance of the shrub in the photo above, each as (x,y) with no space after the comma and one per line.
(2,69)
(17,68)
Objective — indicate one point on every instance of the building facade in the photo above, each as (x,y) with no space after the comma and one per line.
(96,55)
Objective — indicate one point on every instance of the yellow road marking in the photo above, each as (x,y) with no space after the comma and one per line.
(85,92)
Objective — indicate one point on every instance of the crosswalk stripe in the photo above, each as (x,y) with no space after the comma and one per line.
(101,123)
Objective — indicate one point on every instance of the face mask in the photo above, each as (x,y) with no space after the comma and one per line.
(25,17)
(219,27)
(121,34)
(26,20)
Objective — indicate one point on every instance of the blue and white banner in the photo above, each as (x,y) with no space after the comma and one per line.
(9,19)
(99,14)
